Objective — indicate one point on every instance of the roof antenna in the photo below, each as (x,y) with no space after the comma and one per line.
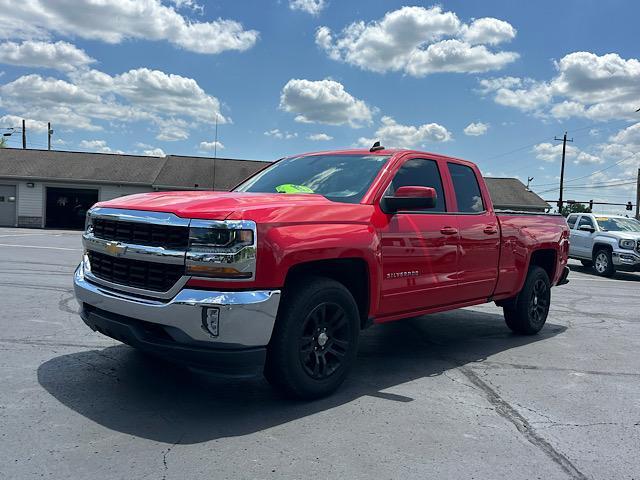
(376,147)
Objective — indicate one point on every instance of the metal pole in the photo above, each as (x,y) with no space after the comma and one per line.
(48,135)
(24,135)
(564,152)
(638,197)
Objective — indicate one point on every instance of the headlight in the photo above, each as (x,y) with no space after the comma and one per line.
(628,244)
(222,249)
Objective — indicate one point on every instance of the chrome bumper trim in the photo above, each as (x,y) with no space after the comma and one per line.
(246,318)
(625,258)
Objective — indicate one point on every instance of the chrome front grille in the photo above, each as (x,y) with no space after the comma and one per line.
(153,276)
(151,234)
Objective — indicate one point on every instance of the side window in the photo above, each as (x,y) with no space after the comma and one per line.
(586,221)
(467,189)
(571,221)
(420,172)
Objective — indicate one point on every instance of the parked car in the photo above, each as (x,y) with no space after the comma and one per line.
(253,280)
(605,242)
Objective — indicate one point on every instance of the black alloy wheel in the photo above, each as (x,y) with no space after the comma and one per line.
(324,342)
(539,303)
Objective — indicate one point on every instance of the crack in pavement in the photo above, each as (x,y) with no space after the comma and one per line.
(164,457)
(522,366)
(506,411)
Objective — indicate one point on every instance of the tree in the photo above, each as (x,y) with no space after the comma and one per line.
(3,142)
(575,208)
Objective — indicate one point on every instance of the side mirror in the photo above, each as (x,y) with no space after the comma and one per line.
(409,198)
(586,228)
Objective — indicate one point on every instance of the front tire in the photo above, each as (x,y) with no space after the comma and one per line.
(527,314)
(315,339)
(603,263)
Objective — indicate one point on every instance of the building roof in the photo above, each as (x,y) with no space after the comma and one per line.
(512,194)
(172,171)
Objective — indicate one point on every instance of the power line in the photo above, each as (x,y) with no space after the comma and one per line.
(593,173)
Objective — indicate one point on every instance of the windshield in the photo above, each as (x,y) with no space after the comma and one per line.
(609,224)
(341,178)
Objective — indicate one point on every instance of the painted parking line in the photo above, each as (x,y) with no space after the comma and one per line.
(27,235)
(44,248)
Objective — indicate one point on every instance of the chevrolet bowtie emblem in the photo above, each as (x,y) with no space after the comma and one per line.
(116,249)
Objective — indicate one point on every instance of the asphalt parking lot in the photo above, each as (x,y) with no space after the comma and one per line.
(452,395)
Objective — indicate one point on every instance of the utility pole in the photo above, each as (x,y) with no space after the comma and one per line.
(529,180)
(49,133)
(638,197)
(564,152)
(215,155)
(24,135)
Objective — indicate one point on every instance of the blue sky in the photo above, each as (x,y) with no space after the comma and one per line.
(290,76)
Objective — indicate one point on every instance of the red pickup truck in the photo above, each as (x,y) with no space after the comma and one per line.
(280,275)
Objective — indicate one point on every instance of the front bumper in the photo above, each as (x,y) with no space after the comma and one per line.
(175,328)
(628,260)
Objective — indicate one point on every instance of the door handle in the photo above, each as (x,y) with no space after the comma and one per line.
(448,231)
(490,230)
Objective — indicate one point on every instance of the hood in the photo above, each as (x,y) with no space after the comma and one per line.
(622,235)
(259,207)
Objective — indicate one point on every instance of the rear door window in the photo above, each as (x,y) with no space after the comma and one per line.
(571,221)
(467,188)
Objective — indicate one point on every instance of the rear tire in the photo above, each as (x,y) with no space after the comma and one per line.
(603,263)
(527,314)
(315,339)
(586,263)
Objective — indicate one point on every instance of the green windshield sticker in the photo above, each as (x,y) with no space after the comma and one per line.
(291,188)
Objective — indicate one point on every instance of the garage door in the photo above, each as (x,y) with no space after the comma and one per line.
(67,207)
(7,205)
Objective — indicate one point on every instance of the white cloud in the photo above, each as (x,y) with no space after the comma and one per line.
(394,135)
(323,101)
(320,137)
(420,41)
(488,30)
(154,152)
(548,152)
(524,94)
(211,146)
(476,129)
(629,135)
(97,146)
(277,133)
(314,7)
(114,21)
(597,87)
(172,102)
(13,121)
(59,55)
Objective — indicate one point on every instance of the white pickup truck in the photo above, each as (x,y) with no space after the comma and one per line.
(606,242)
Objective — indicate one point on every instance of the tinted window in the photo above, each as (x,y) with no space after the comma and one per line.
(586,221)
(420,172)
(571,221)
(467,189)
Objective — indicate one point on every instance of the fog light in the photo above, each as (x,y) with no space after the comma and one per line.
(211,320)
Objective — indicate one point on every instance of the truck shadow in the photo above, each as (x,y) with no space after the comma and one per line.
(131,393)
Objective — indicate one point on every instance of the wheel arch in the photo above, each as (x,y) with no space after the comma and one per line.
(352,272)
